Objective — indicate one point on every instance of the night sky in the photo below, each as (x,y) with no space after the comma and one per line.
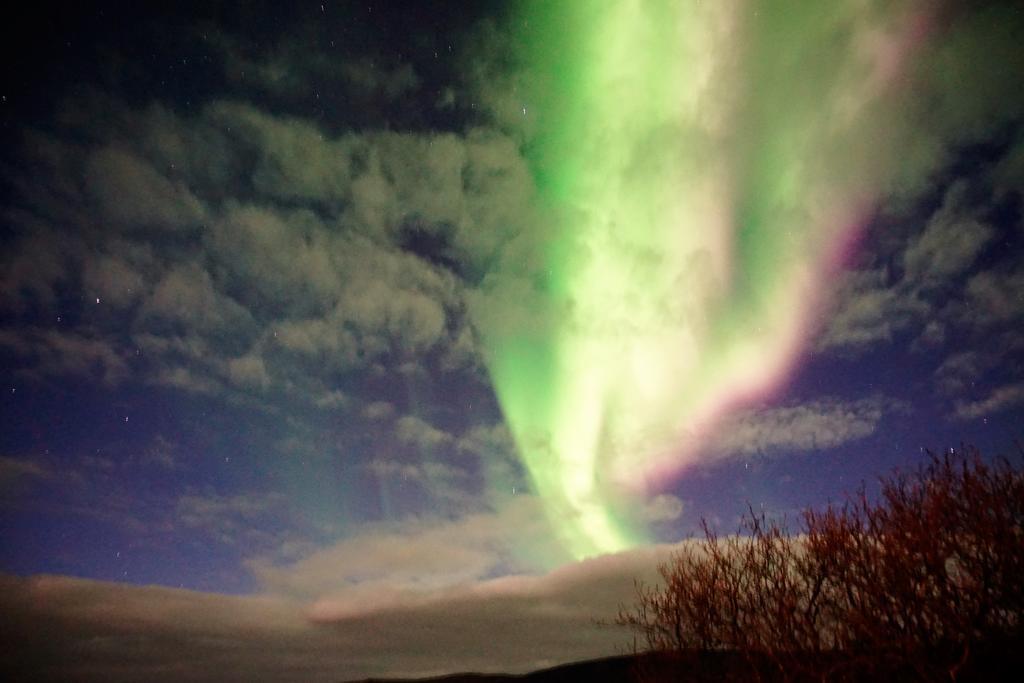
(348,339)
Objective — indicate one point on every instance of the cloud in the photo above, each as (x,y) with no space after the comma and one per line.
(1008,174)
(186,298)
(990,366)
(493,446)
(417,432)
(453,473)
(447,487)
(276,259)
(113,280)
(318,339)
(952,279)
(960,370)
(161,453)
(239,520)
(949,244)
(923,277)
(662,508)
(332,399)
(18,472)
(59,353)
(233,249)
(378,410)
(187,379)
(34,267)
(870,310)
(994,297)
(131,194)
(63,628)
(965,73)
(999,399)
(248,371)
(420,597)
(416,555)
(817,425)
(135,496)
(295,159)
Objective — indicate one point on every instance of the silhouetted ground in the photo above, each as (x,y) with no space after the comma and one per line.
(618,669)
(1002,664)
(611,669)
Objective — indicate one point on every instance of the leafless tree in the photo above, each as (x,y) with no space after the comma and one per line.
(924,582)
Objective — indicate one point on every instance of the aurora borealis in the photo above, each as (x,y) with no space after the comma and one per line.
(344,340)
(694,201)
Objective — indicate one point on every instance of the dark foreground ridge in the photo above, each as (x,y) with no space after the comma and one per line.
(718,666)
(606,670)
(999,664)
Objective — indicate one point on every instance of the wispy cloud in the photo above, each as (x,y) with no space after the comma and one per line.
(1001,398)
(816,425)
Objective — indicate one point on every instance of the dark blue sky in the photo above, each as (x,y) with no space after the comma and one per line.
(239,250)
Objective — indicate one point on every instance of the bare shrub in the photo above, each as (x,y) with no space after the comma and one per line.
(924,583)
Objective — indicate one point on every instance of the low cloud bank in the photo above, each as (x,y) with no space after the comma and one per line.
(65,628)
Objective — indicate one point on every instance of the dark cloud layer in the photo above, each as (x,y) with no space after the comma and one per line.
(61,628)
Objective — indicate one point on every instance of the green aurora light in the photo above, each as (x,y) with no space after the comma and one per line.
(697,165)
